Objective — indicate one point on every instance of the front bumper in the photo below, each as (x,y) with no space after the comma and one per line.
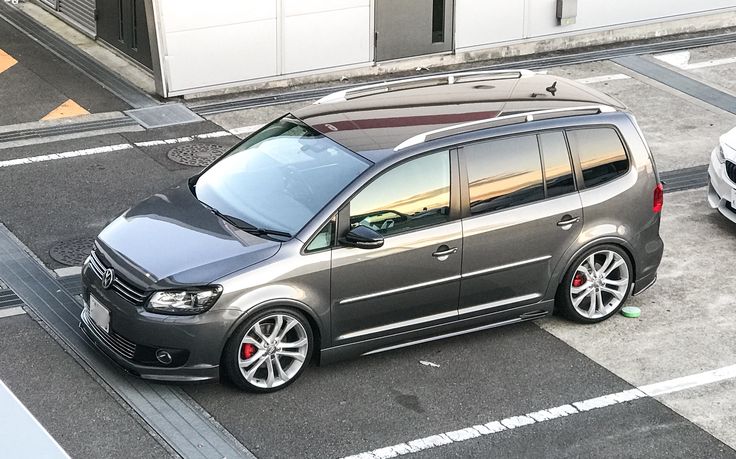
(721,190)
(136,334)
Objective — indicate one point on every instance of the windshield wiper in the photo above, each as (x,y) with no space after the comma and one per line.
(247,227)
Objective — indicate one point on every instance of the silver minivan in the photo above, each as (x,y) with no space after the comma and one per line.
(380,217)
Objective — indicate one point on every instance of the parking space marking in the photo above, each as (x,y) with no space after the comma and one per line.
(11,312)
(681,60)
(67,109)
(109,149)
(603,78)
(513,422)
(6,61)
(68,154)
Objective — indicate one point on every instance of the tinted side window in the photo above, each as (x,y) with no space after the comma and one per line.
(557,168)
(602,155)
(504,173)
(412,195)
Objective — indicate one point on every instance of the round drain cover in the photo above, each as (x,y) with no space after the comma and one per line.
(196,154)
(72,252)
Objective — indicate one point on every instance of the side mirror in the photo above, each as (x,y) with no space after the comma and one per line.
(362,237)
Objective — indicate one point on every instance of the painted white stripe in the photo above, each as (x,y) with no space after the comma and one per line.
(68,271)
(711,63)
(65,155)
(10,312)
(515,422)
(681,60)
(246,129)
(603,78)
(687,382)
(109,149)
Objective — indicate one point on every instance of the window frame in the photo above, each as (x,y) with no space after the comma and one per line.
(465,183)
(343,214)
(579,166)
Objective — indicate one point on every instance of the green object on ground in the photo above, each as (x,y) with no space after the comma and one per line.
(631,311)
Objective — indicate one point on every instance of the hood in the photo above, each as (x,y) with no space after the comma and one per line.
(171,240)
(729,139)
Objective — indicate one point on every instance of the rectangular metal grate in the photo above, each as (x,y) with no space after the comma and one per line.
(163,115)
(8,299)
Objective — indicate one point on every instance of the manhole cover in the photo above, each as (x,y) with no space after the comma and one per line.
(196,154)
(72,252)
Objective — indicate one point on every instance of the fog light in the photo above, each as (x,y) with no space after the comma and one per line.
(164,357)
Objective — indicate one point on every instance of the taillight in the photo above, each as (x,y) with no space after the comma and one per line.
(658,198)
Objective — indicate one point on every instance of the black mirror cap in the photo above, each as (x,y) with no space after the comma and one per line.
(363,237)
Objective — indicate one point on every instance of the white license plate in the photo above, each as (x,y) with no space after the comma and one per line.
(99,314)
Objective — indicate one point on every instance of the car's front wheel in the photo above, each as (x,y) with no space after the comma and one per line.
(596,286)
(269,351)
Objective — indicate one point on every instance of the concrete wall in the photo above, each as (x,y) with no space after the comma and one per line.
(212,45)
(484,22)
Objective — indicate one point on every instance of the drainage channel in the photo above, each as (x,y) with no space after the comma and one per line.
(680,82)
(65,51)
(178,420)
(685,179)
(214,108)
(74,128)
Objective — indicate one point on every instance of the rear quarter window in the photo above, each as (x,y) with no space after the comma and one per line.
(602,154)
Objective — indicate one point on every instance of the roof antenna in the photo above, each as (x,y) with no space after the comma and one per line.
(552,89)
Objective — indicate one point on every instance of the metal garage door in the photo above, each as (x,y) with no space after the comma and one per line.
(82,12)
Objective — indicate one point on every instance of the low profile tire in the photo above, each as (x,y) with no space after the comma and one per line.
(596,286)
(269,351)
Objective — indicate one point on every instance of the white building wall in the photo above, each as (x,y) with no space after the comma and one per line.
(485,22)
(320,34)
(213,44)
(216,43)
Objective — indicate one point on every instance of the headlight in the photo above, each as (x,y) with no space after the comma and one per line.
(184,302)
(719,154)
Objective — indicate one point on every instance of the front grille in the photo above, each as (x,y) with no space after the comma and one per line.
(731,171)
(119,286)
(114,341)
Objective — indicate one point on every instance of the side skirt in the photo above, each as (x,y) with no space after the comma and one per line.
(437,332)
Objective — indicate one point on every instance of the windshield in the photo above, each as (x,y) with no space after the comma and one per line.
(279,178)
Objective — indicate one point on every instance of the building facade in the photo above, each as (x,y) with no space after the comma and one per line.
(198,46)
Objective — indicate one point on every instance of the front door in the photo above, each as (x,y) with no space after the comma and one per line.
(524,215)
(123,24)
(412,281)
(406,28)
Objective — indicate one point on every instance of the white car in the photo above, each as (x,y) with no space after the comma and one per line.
(722,172)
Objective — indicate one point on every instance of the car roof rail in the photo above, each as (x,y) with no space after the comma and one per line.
(423,82)
(505,120)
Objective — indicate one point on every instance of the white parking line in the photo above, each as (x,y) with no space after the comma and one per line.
(681,60)
(10,312)
(109,149)
(603,78)
(457,436)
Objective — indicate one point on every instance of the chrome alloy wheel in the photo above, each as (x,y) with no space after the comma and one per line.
(600,284)
(273,351)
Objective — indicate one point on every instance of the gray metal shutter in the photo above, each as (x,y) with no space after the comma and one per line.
(81,12)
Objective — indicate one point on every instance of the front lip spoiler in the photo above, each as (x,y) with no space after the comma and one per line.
(209,373)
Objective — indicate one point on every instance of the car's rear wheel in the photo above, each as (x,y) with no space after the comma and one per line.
(269,351)
(597,285)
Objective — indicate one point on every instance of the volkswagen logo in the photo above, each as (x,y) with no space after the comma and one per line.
(108,278)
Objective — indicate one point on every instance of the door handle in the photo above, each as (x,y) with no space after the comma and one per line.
(568,220)
(444,252)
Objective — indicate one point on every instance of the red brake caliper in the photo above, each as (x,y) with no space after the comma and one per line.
(578,280)
(247,351)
